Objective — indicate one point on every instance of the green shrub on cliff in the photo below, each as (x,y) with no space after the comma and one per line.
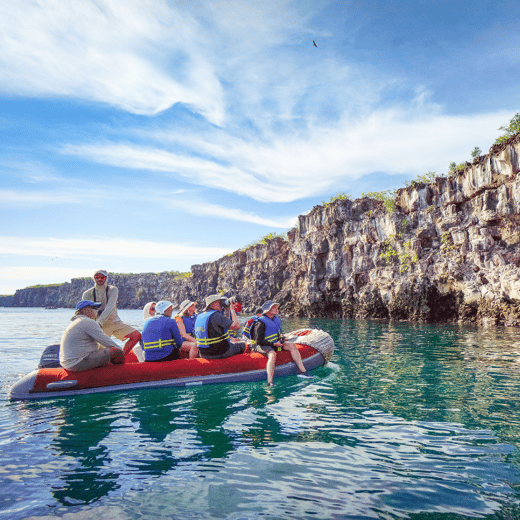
(387,197)
(454,168)
(476,152)
(272,236)
(391,255)
(511,129)
(179,274)
(39,286)
(425,178)
(265,239)
(334,198)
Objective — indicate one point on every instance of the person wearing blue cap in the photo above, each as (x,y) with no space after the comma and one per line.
(84,345)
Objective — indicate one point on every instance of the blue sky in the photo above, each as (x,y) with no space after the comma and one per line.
(151,135)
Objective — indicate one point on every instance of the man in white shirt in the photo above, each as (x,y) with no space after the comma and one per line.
(84,345)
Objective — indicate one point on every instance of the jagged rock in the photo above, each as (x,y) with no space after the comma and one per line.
(449,252)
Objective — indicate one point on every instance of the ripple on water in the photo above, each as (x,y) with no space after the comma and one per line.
(406,419)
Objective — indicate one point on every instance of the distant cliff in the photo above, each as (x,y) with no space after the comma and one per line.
(449,251)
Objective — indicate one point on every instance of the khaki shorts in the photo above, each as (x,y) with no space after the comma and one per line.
(98,358)
(117,328)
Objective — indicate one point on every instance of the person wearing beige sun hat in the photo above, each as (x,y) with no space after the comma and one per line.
(185,319)
(212,328)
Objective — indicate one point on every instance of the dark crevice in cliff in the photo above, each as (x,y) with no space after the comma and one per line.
(449,252)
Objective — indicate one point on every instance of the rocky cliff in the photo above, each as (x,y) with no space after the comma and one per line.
(444,251)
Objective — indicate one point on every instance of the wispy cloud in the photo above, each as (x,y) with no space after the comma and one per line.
(38,198)
(108,51)
(216,211)
(396,140)
(39,273)
(98,246)
(295,121)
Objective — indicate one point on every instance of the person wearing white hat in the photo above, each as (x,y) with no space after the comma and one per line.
(149,310)
(267,339)
(212,330)
(161,339)
(108,318)
(84,345)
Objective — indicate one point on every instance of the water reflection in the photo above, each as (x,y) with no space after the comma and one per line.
(407,420)
(84,426)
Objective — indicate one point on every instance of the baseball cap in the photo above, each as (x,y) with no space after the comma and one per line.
(87,303)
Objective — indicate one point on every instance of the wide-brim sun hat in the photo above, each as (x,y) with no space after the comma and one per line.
(87,303)
(185,305)
(162,306)
(212,298)
(266,307)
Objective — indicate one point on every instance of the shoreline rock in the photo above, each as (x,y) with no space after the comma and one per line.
(450,252)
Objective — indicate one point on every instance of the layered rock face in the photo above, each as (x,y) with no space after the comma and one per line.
(447,251)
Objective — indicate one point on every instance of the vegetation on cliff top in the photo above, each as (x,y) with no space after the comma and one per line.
(511,129)
(388,196)
(263,240)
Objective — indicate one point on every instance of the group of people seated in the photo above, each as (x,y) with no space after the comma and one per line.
(212,334)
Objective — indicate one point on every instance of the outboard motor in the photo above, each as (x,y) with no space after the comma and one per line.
(50,357)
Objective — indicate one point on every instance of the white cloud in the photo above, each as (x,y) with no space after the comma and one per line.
(216,211)
(23,197)
(102,247)
(285,168)
(295,121)
(38,273)
(140,57)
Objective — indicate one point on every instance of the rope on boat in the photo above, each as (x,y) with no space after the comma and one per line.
(315,338)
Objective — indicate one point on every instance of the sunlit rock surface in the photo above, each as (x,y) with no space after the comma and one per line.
(449,252)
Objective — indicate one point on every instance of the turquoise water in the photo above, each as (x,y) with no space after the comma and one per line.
(406,421)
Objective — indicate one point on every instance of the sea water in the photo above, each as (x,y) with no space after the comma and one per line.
(406,421)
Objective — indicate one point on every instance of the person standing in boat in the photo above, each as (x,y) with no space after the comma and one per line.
(267,339)
(161,339)
(212,330)
(107,317)
(84,345)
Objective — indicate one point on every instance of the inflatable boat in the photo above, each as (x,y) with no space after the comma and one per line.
(315,346)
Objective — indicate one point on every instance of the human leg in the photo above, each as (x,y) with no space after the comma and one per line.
(271,363)
(295,354)
(116,356)
(133,339)
(191,348)
(270,353)
(97,358)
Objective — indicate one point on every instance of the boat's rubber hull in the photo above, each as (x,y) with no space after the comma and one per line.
(57,382)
